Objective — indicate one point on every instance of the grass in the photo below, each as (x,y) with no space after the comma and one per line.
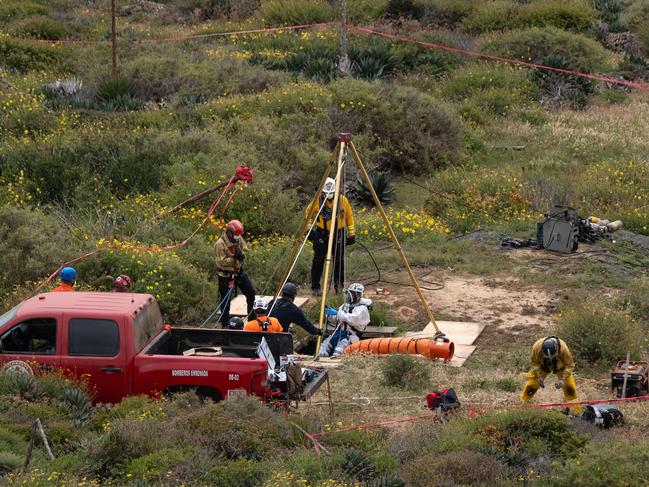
(80,173)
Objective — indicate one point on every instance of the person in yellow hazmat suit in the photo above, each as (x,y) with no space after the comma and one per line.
(551,355)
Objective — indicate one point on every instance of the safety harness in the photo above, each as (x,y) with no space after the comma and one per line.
(263,325)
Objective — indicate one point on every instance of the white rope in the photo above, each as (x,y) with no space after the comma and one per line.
(306,238)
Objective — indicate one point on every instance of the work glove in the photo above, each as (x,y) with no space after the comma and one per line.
(559,384)
(346,307)
(351,239)
(329,311)
(239,255)
(541,382)
(319,332)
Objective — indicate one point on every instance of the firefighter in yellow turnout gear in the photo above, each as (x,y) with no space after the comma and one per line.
(345,234)
(551,355)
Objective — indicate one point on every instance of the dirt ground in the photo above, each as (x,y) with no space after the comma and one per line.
(504,305)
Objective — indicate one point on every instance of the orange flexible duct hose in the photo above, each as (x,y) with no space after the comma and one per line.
(427,347)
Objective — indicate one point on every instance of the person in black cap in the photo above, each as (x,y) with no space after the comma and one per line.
(287,312)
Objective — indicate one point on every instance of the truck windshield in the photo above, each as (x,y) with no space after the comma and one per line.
(9,315)
(147,324)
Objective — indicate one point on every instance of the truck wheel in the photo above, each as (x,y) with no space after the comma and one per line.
(207,393)
(202,392)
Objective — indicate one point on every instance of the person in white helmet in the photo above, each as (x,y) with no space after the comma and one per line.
(345,234)
(352,317)
(262,322)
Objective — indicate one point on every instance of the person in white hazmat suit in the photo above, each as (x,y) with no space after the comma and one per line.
(352,318)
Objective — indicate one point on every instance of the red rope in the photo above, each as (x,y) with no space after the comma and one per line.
(492,57)
(311,436)
(586,403)
(184,38)
(239,175)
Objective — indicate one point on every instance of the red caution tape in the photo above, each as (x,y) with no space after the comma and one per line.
(185,38)
(492,57)
(587,403)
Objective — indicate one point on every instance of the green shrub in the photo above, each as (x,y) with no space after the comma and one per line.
(454,468)
(598,335)
(205,9)
(9,461)
(609,13)
(405,372)
(409,131)
(504,15)
(238,428)
(500,15)
(363,11)
(402,8)
(11,442)
(154,466)
(40,27)
(634,13)
(614,463)
(32,245)
(535,44)
(489,90)
(443,13)
(240,472)
(20,9)
(292,12)
(25,56)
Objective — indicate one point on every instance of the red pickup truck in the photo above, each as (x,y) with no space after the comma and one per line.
(119,343)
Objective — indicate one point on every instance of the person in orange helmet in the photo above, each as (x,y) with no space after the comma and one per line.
(68,276)
(262,323)
(230,251)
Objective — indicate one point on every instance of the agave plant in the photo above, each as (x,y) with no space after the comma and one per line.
(357,465)
(78,403)
(373,62)
(25,386)
(382,184)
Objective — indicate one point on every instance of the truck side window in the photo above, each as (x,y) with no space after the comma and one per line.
(88,336)
(35,336)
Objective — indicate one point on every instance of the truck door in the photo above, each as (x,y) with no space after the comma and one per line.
(96,352)
(32,345)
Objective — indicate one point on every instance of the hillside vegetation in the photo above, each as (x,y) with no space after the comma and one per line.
(474,150)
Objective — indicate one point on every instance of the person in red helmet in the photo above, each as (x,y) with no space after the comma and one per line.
(123,284)
(230,253)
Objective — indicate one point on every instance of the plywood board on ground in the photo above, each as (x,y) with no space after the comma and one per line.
(238,307)
(462,333)
(462,352)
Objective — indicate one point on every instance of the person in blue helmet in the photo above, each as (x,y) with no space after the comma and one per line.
(68,276)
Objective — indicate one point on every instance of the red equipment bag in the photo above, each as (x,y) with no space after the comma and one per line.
(444,398)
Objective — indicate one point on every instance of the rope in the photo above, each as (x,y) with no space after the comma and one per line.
(306,238)
(145,248)
(223,302)
(469,405)
(492,57)
(182,38)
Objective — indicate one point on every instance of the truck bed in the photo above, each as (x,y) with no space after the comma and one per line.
(234,343)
